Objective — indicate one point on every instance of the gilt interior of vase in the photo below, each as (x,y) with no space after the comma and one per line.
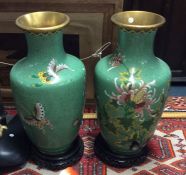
(138,20)
(42,21)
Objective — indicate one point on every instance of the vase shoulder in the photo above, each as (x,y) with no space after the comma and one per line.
(155,69)
(48,72)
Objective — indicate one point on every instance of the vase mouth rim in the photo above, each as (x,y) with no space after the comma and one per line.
(42,21)
(138,20)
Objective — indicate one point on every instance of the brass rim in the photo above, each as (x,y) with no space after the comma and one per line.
(138,20)
(42,22)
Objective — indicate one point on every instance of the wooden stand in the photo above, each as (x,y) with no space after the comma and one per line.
(60,161)
(110,158)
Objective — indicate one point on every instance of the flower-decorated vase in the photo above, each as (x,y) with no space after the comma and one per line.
(131,89)
(49,89)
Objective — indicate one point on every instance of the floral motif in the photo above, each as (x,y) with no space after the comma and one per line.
(127,131)
(137,93)
(130,75)
(51,75)
(44,78)
(132,111)
(38,118)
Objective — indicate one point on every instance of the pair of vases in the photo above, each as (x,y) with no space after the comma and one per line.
(131,87)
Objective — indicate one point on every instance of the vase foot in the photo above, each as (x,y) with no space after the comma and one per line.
(59,161)
(110,158)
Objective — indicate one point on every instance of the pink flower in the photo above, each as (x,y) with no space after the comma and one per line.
(142,97)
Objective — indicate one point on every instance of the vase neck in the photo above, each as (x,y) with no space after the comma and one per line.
(136,46)
(45,46)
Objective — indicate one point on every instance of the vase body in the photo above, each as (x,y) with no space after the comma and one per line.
(48,87)
(131,88)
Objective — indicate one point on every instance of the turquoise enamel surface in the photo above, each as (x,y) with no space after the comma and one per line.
(49,91)
(131,88)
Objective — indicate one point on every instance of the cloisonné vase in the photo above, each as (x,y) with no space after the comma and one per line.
(131,89)
(49,89)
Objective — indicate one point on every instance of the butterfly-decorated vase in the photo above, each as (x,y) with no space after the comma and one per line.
(131,87)
(49,89)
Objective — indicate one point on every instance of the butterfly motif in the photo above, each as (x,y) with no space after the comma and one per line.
(38,118)
(116,60)
(39,111)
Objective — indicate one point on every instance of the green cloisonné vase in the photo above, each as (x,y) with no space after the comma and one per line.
(131,88)
(48,84)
